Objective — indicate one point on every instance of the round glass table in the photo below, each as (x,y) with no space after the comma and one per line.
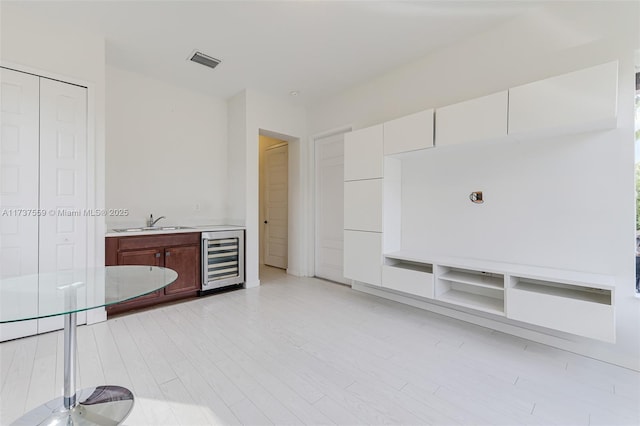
(44,295)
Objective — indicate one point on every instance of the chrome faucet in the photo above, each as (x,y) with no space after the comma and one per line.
(151,222)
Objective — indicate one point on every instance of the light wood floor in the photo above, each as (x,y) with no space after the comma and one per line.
(306,351)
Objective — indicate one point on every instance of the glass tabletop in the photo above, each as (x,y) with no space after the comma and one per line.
(44,295)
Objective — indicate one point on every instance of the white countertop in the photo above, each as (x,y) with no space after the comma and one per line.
(196,228)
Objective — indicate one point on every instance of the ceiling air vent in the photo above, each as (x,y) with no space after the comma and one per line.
(203,59)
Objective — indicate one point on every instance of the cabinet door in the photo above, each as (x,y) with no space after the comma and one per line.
(63,183)
(363,256)
(363,205)
(185,261)
(19,115)
(151,257)
(409,133)
(478,119)
(578,101)
(363,157)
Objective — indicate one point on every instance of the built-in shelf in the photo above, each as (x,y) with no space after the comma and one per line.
(474,301)
(569,301)
(474,289)
(409,265)
(480,279)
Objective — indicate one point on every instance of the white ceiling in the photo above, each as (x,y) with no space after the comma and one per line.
(318,48)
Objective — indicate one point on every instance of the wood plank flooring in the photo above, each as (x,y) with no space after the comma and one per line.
(306,351)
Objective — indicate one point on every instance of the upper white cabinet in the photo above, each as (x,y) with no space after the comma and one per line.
(363,205)
(578,101)
(363,157)
(409,133)
(478,119)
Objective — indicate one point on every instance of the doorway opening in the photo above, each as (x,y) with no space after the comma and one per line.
(273,201)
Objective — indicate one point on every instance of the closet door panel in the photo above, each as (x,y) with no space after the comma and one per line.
(19,115)
(63,181)
(19,173)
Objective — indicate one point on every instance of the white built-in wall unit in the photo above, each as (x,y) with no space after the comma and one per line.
(363,171)
(44,184)
(384,199)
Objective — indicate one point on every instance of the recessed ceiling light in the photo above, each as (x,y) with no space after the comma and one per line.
(294,93)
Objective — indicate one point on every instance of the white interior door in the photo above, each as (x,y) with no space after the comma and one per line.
(277,205)
(63,183)
(19,106)
(329,241)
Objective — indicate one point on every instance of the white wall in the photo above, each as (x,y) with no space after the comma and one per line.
(43,47)
(546,202)
(252,113)
(166,152)
(581,212)
(276,117)
(236,159)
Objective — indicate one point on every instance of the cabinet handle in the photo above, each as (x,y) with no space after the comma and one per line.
(157,254)
(167,254)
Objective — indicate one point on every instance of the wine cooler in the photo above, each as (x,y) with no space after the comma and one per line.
(222,259)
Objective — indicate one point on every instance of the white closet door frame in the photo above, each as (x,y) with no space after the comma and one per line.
(96,226)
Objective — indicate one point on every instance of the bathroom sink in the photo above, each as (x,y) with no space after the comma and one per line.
(152,228)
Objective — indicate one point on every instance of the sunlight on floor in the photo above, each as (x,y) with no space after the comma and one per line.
(155,412)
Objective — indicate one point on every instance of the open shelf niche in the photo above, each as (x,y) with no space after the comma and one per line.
(586,294)
(474,289)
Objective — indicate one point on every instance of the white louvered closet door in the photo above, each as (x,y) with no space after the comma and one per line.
(63,184)
(19,118)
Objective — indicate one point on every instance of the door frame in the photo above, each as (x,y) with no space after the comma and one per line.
(313,225)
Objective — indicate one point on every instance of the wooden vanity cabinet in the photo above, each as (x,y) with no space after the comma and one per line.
(180,252)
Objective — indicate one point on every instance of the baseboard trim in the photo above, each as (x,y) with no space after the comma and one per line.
(252,284)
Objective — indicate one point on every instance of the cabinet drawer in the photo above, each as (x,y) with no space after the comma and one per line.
(153,241)
(571,315)
(407,279)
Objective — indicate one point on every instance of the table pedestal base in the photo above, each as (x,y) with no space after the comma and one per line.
(102,405)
